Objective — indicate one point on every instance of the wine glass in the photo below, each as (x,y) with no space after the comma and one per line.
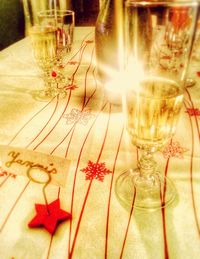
(178,34)
(152,101)
(196,50)
(43,41)
(63,21)
(52,39)
(50,25)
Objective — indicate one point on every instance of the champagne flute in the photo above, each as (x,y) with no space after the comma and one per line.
(43,39)
(51,41)
(64,21)
(196,50)
(43,18)
(154,95)
(177,35)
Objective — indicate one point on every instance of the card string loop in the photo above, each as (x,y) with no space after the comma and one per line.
(34,179)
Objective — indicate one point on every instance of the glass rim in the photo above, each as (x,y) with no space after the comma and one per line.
(51,12)
(37,29)
(167,3)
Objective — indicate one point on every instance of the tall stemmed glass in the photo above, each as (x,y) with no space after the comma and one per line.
(178,35)
(49,23)
(63,21)
(43,41)
(155,79)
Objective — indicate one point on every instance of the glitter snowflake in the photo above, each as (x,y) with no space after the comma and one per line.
(78,116)
(173,149)
(95,171)
(193,111)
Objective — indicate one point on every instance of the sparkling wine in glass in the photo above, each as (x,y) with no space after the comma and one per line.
(43,40)
(153,99)
(153,112)
(64,22)
(52,37)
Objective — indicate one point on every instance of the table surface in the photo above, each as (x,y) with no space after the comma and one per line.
(86,129)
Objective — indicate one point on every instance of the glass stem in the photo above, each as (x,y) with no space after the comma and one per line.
(147,164)
(48,83)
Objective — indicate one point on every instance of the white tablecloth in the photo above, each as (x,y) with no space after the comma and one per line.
(85,127)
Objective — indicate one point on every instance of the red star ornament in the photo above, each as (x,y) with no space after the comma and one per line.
(49,216)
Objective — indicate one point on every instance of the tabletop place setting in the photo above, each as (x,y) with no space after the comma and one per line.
(100,131)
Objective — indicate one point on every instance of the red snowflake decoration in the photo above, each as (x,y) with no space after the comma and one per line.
(193,111)
(95,171)
(173,149)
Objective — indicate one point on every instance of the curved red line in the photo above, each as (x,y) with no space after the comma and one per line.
(47,135)
(73,127)
(166,253)
(110,195)
(127,228)
(85,84)
(52,236)
(10,212)
(196,121)
(73,76)
(89,187)
(76,170)
(5,179)
(105,136)
(80,47)
(70,140)
(84,105)
(19,131)
(191,176)
(56,106)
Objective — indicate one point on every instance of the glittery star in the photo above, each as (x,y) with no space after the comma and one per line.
(49,216)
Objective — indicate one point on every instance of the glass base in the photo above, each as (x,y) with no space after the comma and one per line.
(148,192)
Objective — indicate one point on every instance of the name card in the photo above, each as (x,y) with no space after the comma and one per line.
(18,161)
